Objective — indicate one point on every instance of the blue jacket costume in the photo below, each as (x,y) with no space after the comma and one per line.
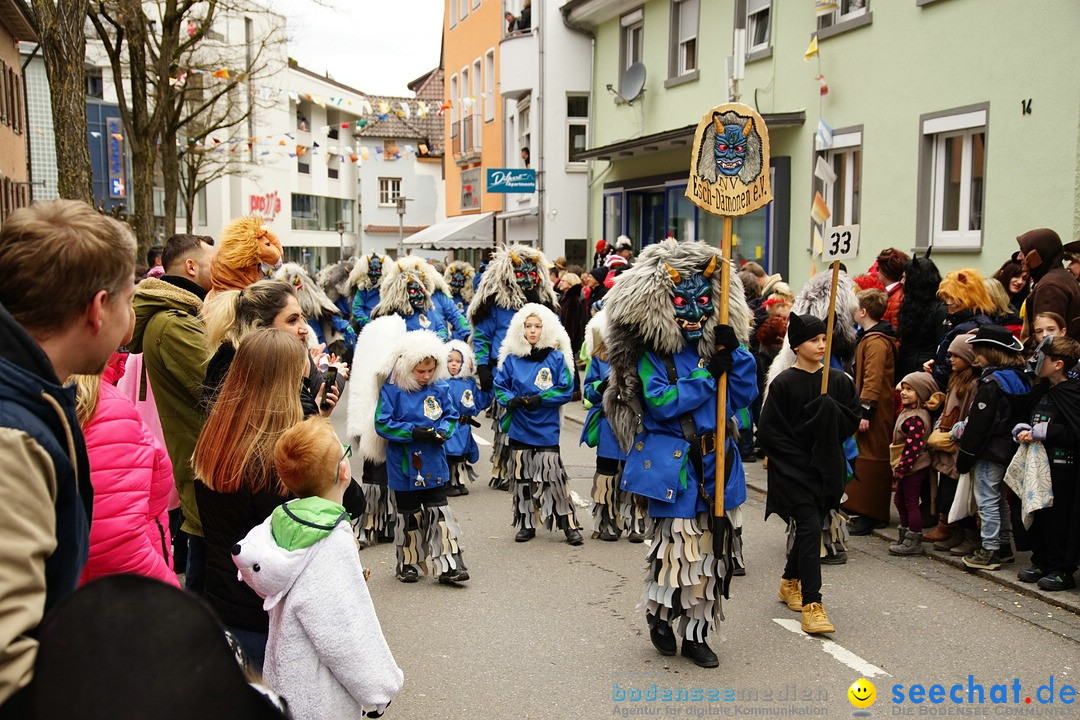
(363,303)
(658,465)
(462,306)
(543,373)
(452,316)
(468,400)
(597,430)
(396,415)
(427,320)
(489,333)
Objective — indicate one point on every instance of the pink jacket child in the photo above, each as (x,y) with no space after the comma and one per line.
(132,478)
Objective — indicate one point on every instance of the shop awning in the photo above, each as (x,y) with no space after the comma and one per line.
(460,232)
(673,139)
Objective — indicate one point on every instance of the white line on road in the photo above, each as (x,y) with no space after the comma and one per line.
(480,440)
(853,661)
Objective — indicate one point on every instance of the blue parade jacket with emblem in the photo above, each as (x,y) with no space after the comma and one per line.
(658,465)
(546,376)
(462,306)
(427,320)
(469,400)
(454,320)
(396,415)
(597,430)
(363,303)
(489,333)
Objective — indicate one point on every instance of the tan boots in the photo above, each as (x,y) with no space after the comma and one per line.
(791,594)
(815,621)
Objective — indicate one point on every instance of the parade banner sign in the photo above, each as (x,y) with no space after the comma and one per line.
(729,167)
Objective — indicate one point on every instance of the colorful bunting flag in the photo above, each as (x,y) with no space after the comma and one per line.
(825,7)
(812,50)
(824,135)
(824,171)
(823,86)
(223,73)
(820,211)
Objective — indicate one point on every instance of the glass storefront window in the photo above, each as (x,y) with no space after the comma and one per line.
(612,216)
(680,214)
(314,212)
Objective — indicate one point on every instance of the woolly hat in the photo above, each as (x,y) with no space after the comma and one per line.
(599,274)
(922,383)
(1042,251)
(802,328)
(891,263)
(961,348)
(601,246)
(996,336)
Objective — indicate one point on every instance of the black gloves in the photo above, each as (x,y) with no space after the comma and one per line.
(724,338)
(726,344)
(531,402)
(514,403)
(470,420)
(487,380)
(427,435)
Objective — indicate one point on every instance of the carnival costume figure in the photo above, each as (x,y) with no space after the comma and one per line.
(366,277)
(457,327)
(404,292)
(667,349)
(459,276)
(514,276)
(461,449)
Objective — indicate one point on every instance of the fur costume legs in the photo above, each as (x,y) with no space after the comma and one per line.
(541,492)
(501,474)
(459,469)
(427,537)
(684,584)
(614,510)
(377,522)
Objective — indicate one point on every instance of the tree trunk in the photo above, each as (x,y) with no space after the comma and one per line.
(63,48)
(170,171)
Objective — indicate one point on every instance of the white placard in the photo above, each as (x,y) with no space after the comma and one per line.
(840,243)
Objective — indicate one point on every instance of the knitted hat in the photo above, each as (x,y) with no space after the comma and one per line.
(802,328)
(599,274)
(996,336)
(922,383)
(891,263)
(960,348)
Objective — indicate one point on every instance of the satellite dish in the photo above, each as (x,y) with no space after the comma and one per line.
(633,83)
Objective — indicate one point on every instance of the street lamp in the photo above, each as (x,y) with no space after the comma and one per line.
(341,237)
(401,200)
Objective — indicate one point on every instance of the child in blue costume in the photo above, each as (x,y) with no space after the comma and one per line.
(533,381)
(459,276)
(514,276)
(405,293)
(469,399)
(416,415)
(667,351)
(366,277)
(614,509)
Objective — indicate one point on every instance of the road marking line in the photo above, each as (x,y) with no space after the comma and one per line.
(853,661)
(481,441)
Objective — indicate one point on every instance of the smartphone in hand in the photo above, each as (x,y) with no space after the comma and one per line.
(329,381)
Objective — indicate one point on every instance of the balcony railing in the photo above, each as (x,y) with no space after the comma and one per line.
(468,136)
(455,139)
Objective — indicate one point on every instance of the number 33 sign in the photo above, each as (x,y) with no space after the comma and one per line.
(841,243)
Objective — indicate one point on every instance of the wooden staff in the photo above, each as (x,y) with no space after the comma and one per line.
(829,327)
(721,382)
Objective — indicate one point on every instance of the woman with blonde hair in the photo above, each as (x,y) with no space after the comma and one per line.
(238,486)
(1002,312)
(233,314)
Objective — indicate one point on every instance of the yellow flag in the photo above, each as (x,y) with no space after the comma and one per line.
(812,50)
(223,73)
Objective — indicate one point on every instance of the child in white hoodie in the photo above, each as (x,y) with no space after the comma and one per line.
(326,653)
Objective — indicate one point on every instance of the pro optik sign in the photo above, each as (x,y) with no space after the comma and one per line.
(511,180)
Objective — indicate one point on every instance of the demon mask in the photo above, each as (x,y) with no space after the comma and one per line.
(730,151)
(693,301)
(417,294)
(374,270)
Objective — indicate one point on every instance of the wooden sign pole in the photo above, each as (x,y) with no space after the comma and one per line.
(721,382)
(829,323)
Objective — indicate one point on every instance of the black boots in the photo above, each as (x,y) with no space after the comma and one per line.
(662,636)
(573,536)
(525,534)
(700,653)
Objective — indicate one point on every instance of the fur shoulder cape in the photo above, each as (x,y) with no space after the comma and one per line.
(468,271)
(641,318)
(314,303)
(394,293)
(429,276)
(334,280)
(380,339)
(498,286)
(552,335)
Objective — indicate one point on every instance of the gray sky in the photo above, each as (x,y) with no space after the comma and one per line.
(373,45)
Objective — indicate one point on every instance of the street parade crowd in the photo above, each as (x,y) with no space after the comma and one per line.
(176,426)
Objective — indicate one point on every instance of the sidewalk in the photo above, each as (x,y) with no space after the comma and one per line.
(1006,576)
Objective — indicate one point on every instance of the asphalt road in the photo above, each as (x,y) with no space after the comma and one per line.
(547,630)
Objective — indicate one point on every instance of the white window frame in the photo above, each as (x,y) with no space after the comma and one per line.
(465,90)
(489,85)
(754,10)
(475,4)
(478,97)
(389,191)
(965,126)
(839,15)
(455,99)
(844,144)
(464,10)
(683,36)
(631,23)
(452,14)
(577,121)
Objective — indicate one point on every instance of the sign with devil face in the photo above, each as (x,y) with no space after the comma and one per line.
(729,168)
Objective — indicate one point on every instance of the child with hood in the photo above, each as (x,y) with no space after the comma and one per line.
(326,653)
(534,379)
(910,458)
(416,417)
(461,449)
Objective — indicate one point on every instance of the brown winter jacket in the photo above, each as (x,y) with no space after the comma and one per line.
(1055,290)
(875,364)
